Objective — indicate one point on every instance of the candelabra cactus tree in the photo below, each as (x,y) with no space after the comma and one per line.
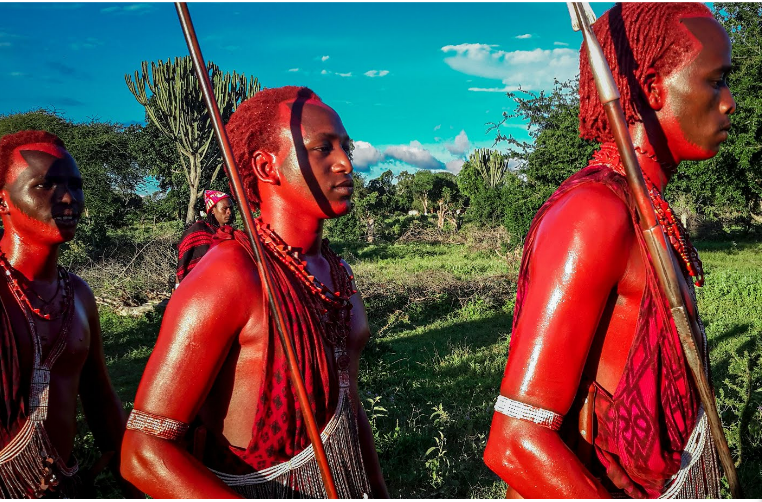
(491,165)
(172,98)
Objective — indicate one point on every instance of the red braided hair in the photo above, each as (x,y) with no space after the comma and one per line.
(253,126)
(634,36)
(11,142)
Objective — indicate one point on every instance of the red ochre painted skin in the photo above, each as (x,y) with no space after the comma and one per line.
(40,204)
(208,358)
(586,279)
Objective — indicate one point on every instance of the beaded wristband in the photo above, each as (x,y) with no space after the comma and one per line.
(516,409)
(156,425)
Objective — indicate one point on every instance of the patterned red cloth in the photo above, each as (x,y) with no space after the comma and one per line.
(279,431)
(194,244)
(643,428)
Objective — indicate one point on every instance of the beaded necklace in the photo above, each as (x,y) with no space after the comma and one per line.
(333,308)
(33,465)
(608,155)
(20,294)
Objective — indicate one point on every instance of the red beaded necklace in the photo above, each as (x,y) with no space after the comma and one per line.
(608,155)
(22,297)
(332,307)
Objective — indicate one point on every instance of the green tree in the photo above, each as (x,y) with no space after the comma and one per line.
(491,166)
(176,107)
(404,191)
(481,180)
(555,152)
(421,187)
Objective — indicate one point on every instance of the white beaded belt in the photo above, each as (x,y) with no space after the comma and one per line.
(516,409)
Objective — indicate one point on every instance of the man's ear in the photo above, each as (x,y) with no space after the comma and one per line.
(264,167)
(653,89)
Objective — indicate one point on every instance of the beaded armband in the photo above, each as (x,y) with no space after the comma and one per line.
(156,425)
(516,409)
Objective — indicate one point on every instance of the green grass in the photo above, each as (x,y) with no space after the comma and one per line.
(441,316)
(730,304)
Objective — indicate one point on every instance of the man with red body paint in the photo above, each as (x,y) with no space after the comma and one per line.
(218,362)
(50,333)
(592,342)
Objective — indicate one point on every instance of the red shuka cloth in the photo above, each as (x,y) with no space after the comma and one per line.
(279,432)
(194,244)
(644,426)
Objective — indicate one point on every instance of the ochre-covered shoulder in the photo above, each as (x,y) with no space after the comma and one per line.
(592,215)
(225,280)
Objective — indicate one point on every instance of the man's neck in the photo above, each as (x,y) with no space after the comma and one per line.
(294,227)
(656,163)
(36,261)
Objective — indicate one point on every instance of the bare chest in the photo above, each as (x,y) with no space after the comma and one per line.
(61,346)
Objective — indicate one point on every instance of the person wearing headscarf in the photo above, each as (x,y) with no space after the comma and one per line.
(197,239)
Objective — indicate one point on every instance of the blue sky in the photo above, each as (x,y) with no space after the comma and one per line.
(414,83)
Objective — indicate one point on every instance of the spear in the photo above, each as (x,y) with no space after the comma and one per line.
(275,307)
(663,260)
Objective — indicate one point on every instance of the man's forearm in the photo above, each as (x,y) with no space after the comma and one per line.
(163,469)
(536,463)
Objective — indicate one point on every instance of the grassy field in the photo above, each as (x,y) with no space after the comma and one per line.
(441,317)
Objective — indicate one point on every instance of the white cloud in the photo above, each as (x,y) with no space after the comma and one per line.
(365,156)
(325,58)
(454,166)
(325,72)
(532,70)
(415,155)
(16,74)
(376,73)
(345,74)
(507,88)
(5,44)
(88,43)
(135,8)
(460,145)
(561,44)
(524,36)
(294,69)
(438,127)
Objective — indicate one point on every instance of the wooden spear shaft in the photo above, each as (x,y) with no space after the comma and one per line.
(249,225)
(658,246)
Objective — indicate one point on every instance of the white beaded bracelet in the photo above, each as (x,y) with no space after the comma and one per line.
(516,409)
(156,425)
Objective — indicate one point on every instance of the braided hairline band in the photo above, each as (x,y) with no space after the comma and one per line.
(156,425)
(517,409)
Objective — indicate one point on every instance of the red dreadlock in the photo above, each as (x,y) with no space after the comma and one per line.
(253,126)
(634,37)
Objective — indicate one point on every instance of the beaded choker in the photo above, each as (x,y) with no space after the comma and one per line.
(608,155)
(332,307)
(21,296)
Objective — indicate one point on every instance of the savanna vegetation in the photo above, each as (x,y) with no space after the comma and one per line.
(436,256)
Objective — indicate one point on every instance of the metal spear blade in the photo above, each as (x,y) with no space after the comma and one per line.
(586,9)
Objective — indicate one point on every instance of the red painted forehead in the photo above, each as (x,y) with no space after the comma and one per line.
(50,148)
(18,162)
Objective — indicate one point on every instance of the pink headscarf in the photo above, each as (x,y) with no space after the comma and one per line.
(212,197)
